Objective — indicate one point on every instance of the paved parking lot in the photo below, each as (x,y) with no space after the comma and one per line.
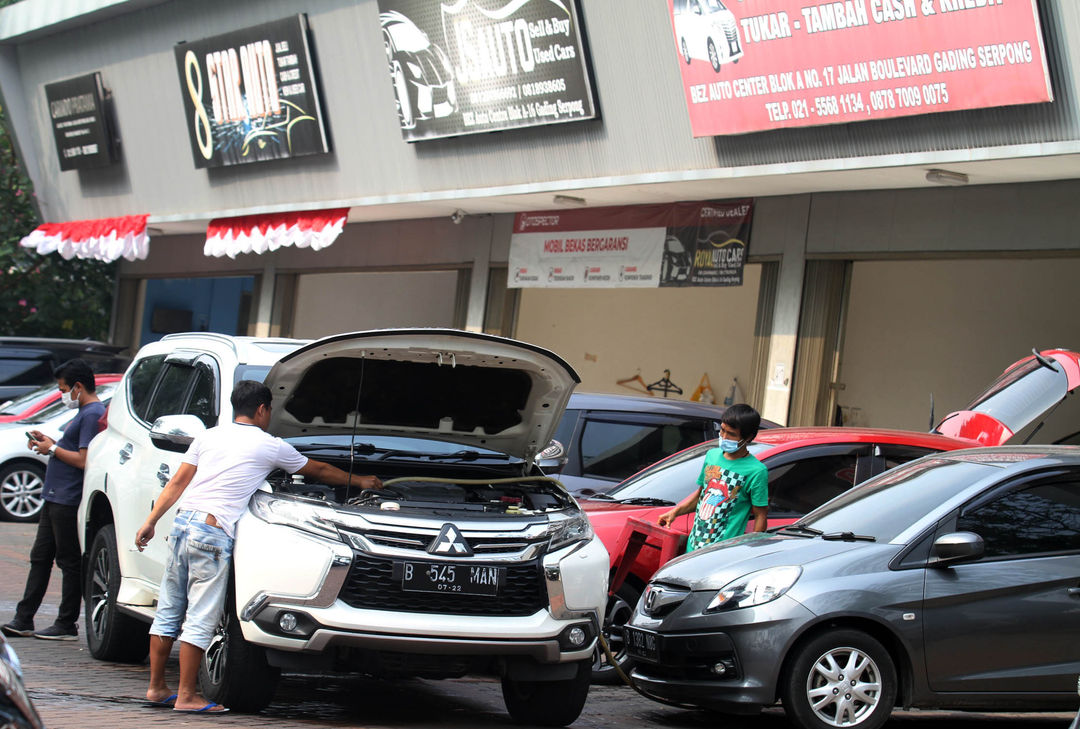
(74,691)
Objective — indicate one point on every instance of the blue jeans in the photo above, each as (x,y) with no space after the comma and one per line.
(196,579)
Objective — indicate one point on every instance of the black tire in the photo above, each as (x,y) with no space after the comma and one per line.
(548,703)
(233,672)
(620,607)
(714,57)
(110,634)
(850,672)
(21,484)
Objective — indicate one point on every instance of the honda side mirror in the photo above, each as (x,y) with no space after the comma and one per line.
(956,547)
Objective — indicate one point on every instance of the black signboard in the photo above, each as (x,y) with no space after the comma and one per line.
(250,95)
(470,66)
(712,250)
(80,122)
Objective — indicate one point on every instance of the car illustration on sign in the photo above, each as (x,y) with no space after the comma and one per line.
(421,71)
(706,30)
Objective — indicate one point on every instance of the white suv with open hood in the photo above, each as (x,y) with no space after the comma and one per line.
(468,561)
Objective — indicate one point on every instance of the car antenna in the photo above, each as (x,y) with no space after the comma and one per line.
(931,412)
(355,424)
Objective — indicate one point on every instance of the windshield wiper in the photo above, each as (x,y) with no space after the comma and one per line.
(799,529)
(847,537)
(596,495)
(384,454)
(645,501)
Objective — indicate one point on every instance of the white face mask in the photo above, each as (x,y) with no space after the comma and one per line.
(69,399)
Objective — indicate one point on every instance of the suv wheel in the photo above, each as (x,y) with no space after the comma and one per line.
(840,678)
(111,635)
(20,491)
(619,609)
(233,672)
(548,703)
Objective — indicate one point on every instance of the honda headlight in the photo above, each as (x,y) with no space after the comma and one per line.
(293,512)
(756,588)
(570,531)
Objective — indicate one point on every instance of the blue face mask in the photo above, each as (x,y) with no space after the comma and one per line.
(729,446)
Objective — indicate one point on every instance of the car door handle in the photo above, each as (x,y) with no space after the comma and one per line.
(125,453)
(163,474)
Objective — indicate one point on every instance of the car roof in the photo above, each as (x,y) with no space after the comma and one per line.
(840,434)
(643,404)
(1019,457)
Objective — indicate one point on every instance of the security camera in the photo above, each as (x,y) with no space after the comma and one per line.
(457,216)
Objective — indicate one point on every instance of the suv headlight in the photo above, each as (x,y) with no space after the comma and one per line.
(756,588)
(293,512)
(569,531)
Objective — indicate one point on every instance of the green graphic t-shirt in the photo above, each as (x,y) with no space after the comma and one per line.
(728,489)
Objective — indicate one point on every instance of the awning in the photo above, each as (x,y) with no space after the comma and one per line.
(315,229)
(105,239)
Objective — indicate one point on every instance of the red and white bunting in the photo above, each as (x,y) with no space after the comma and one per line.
(105,239)
(315,229)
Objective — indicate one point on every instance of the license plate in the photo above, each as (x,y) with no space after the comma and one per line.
(460,579)
(640,643)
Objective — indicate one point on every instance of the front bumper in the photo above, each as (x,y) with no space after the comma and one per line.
(728,661)
(281,570)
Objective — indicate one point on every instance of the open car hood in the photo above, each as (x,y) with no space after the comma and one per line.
(473,389)
(1025,392)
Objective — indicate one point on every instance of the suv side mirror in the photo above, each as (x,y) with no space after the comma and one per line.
(175,432)
(552,458)
(949,549)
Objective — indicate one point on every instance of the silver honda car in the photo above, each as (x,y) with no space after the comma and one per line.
(950,582)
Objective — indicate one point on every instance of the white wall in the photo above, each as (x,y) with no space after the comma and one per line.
(949,328)
(331,303)
(611,334)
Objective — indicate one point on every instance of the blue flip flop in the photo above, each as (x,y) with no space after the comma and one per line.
(166,703)
(208,709)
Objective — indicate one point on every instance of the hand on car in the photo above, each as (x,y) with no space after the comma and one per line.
(368,482)
(666,518)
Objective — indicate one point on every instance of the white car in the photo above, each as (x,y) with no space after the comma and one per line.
(22,471)
(706,30)
(468,561)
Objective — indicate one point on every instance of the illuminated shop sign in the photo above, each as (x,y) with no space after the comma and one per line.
(250,95)
(470,66)
(752,65)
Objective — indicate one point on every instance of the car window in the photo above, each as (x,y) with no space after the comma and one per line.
(675,478)
(1040,519)
(801,486)
(896,455)
(25,371)
(203,402)
(141,383)
(169,397)
(615,451)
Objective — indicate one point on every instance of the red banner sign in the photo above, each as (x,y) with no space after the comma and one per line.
(753,65)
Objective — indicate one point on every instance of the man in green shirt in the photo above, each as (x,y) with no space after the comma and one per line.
(732,485)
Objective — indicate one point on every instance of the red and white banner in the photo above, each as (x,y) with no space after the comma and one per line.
(105,239)
(641,246)
(753,65)
(314,229)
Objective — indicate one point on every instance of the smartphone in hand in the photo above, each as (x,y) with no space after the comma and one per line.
(30,436)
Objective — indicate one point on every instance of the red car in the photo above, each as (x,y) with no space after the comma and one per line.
(26,405)
(809,466)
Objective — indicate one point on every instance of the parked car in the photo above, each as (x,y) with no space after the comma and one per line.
(707,30)
(469,560)
(16,709)
(27,363)
(809,466)
(607,438)
(422,73)
(26,405)
(22,471)
(949,582)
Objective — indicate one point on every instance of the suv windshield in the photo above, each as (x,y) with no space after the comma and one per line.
(381,446)
(885,506)
(674,478)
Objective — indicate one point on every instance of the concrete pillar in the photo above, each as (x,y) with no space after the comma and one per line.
(478,283)
(265,304)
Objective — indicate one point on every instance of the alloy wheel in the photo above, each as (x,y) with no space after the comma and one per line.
(99,594)
(20,493)
(843,687)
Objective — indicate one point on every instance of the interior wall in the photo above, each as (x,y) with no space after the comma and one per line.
(613,334)
(949,328)
(332,303)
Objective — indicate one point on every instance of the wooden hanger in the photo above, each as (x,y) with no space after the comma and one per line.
(628,383)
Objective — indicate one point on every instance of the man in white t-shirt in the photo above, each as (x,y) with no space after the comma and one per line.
(222,468)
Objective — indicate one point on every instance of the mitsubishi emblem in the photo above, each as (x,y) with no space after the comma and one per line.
(450,541)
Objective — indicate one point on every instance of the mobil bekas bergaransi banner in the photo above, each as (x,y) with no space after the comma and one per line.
(250,95)
(471,66)
(640,246)
(753,65)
